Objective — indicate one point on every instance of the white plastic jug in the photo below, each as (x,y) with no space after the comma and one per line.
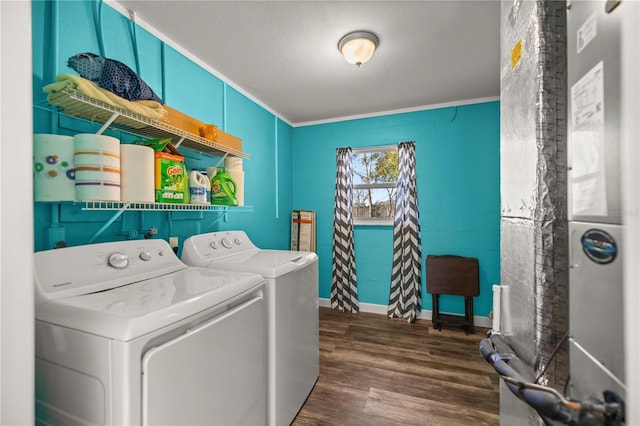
(199,188)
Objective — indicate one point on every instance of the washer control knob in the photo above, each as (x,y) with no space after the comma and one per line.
(214,244)
(145,255)
(118,260)
(237,241)
(226,243)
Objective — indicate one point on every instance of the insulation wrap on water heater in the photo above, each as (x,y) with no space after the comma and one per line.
(534,248)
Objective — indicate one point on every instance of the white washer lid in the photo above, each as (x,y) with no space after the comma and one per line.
(268,263)
(133,310)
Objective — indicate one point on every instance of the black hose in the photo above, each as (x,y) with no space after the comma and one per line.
(545,402)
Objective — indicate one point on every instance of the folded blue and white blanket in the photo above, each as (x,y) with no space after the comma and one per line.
(113,76)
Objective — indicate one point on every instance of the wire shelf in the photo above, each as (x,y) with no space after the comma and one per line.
(143,206)
(76,104)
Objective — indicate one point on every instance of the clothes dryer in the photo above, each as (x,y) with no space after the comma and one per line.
(128,334)
(292,312)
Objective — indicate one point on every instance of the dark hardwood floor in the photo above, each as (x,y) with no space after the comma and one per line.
(380,371)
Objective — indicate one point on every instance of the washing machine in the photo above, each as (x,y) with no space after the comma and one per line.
(291,294)
(128,334)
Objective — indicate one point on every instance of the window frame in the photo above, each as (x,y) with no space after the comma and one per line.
(372,221)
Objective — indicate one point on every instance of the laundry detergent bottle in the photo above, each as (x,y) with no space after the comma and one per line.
(199,188)
(223,189)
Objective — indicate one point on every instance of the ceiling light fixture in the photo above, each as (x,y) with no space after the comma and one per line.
(358,47)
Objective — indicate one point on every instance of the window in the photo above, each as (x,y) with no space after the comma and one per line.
(375,172)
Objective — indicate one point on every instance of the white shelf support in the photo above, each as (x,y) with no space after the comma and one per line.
(223,215)
(108,123)
(109,222)
(222,159)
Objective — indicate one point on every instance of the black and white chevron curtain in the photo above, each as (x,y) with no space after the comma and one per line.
(405,298)
(344,290)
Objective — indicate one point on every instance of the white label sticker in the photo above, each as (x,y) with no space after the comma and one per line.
(588,181)
(587,100)
(587,32)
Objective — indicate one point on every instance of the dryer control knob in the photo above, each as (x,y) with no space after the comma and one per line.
(118,260)
(145,255)
(214,245)
(237,241)
(226,243)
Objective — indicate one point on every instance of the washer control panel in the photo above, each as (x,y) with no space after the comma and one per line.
(85,269)
(201,249)
(231,240)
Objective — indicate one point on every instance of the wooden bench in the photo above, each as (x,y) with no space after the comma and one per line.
(453,275)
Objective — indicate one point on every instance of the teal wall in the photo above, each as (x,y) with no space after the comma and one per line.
(62,29)
(457,165)
(457,159)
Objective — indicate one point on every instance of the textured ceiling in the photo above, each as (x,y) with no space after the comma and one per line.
(284,53)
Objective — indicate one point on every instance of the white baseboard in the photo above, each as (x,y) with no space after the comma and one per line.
(382,309)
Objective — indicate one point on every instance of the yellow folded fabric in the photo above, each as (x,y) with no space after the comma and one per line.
(149,109)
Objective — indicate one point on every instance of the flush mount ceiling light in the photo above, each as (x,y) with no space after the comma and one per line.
(358,47)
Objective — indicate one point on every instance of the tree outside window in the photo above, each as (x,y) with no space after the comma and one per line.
(375,172)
